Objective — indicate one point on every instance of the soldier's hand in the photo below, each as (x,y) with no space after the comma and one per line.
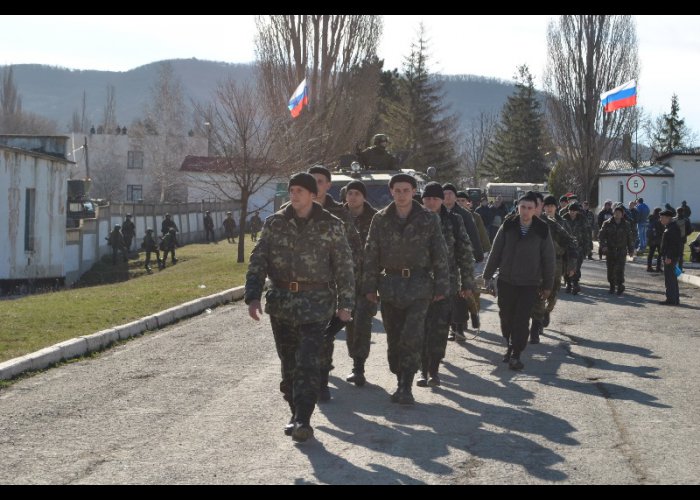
(571,273)
(254,310)
(465,293)
(438,297)
(667,261)
(545,293)
(344,315)
(372,297)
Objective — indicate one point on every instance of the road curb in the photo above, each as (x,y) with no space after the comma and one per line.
(98,341)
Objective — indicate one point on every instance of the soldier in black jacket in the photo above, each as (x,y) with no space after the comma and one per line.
(128,231)
(671,249)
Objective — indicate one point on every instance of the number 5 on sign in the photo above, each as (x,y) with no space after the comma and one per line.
(636,184)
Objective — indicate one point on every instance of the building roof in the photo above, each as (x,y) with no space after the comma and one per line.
(679,152)
(656,170)
(37,154)
(210,164)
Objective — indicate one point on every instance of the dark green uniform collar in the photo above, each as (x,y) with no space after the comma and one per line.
(316,211)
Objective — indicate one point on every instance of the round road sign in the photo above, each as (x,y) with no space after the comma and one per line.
(636,184)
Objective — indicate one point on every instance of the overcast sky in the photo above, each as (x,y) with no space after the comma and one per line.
(669,47)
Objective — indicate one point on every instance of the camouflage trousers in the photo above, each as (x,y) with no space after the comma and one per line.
(358,333)
(437,326)
(405,330)
(298,348)
(616,260)
(542,305)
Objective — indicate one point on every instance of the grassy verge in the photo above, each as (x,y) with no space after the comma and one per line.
(34,322)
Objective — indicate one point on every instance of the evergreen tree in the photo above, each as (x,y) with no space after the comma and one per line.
(517,153)
(429,130)
(670,131)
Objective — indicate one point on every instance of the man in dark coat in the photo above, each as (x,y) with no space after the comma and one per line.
(671,249)
(128,231)
(209,227)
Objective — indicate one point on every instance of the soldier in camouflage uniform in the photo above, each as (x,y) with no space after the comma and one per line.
(461,264)
(323,184)
(359,330)
(377,157)
(590,218)
(582,232)
(304,252)
(406,261)
(565,249)
(616,241)
(474,301)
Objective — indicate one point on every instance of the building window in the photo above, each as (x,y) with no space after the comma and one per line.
(664,192)
(29,219)
(135,159)
(134,192)
(620,191)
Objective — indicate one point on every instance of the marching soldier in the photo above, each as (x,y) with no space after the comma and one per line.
(209,227)
(116,241)
(128,231)
(359,330)
(616,240)
(167,225)
(582,233)
(149,245)
(303,250)
(406,262)
(565,249)
(230,227)
(255,226)
(461,265)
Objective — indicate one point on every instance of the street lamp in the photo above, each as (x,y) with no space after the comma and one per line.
(208,125)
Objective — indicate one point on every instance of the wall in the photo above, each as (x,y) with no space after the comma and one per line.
(687,170)
(19,171)
(608,190)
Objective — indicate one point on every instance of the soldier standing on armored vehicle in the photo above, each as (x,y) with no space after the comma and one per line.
(376,157)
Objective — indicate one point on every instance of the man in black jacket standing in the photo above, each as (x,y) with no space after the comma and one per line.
(524,253)
(671,249)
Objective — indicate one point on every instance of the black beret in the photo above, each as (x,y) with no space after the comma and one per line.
(320,169)
(550,200)
(433,190)
(463,194)
(402,178)
(305,180)
(357,186)
(668,213)
(450,186)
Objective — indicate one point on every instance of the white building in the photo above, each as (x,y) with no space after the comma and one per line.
(207,179)
(674,177)
(33,182)
(124,167)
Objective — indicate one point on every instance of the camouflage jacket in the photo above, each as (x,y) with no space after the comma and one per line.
(363,221)
(473,233)
(580,230)
(459,251)
(318,252)
(483,233)
(377,158)
(616,237)
(416,245)
(565,245)
(351,232)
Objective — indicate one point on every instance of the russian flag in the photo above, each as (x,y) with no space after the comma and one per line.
(299,99)
(623,96)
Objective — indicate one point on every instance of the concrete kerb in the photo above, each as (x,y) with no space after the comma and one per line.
(690,279)
(98,341)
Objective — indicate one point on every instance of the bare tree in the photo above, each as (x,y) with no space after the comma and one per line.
(109,112)
(474,144)
(245,141)
(107,171)
(588,55)
(337,56)
(162,136)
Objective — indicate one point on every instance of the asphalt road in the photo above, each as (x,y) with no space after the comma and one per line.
(610,396)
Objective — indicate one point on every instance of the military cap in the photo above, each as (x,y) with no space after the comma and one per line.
(149,230)
(357,186)
(462,194)
(305,180)
(320,169)
(433,190)
(128,215)
(403,178)
(229,213)
(550,200)
(449,186)
(117,226)
(668,213)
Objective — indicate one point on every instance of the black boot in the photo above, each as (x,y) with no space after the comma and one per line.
(395,396)
(290,426)
(568,285)
(535,330)
(576,288)
(514,363)
(405,393)
(324,393)
(434,380)
(545,320)
(302,428)
(508,354)
(612,288)
(357,376)
(422,378)
(620,289)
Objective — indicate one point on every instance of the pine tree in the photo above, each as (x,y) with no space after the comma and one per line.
(670,131)
(517,153)
(429,131)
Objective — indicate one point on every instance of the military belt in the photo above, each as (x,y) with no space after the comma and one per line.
(403,272)
(302,286)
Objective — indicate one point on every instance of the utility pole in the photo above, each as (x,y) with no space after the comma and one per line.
(87,163)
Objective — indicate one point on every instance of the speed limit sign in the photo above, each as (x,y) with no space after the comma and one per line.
(636,184)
